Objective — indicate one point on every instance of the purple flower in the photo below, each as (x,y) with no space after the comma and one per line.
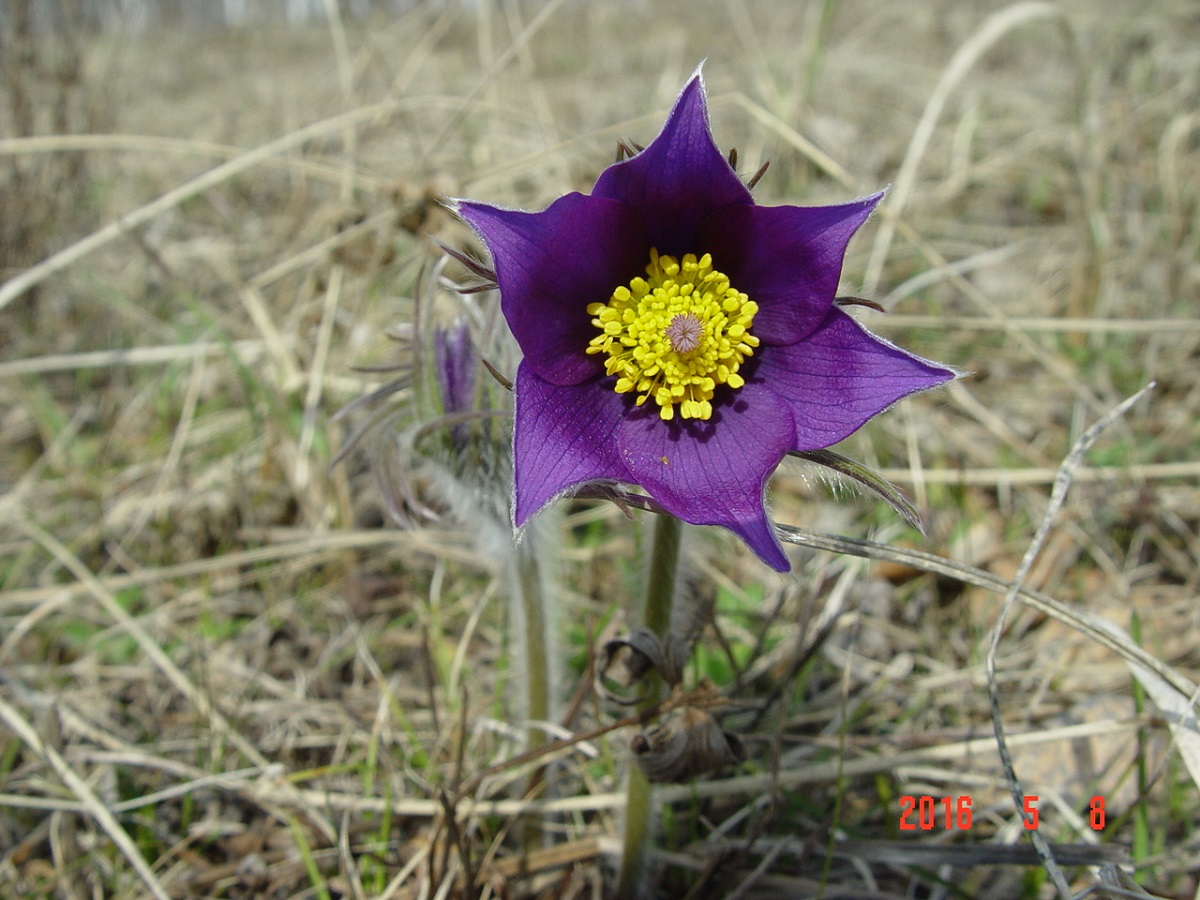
(455,361)
(679,337)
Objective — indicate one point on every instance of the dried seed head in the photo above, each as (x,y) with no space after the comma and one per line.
(687,744)
(625,662)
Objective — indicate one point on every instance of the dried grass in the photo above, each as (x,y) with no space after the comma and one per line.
(222,676)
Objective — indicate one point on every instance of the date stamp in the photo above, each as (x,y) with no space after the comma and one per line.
(928,813)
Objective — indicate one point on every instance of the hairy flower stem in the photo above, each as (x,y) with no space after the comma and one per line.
(537,659)
(538,677)
(656,615)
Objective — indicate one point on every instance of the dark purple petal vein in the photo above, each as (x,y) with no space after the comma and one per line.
(562,437)
(550,266)
(839,377)
(678,179)
(787,259)
(715,472)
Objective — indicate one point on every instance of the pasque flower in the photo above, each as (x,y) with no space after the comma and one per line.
(679,337)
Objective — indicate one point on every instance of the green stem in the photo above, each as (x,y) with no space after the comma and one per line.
(537,661)
(656,615)
(538,678)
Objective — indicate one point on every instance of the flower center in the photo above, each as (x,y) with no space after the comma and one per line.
(675,335)
(683,333)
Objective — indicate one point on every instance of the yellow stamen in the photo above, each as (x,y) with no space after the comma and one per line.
(675,335)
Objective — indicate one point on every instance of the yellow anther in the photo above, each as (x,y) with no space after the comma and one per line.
(675,335)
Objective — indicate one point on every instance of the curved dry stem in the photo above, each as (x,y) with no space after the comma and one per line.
(1080,621)
(87,797)
(1058,496)
(995,28)
(34,275)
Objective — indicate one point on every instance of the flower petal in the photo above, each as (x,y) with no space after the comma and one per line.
(678,179)
(839,377)
(550,266)
(788,259)
(562,437)
(715,472)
